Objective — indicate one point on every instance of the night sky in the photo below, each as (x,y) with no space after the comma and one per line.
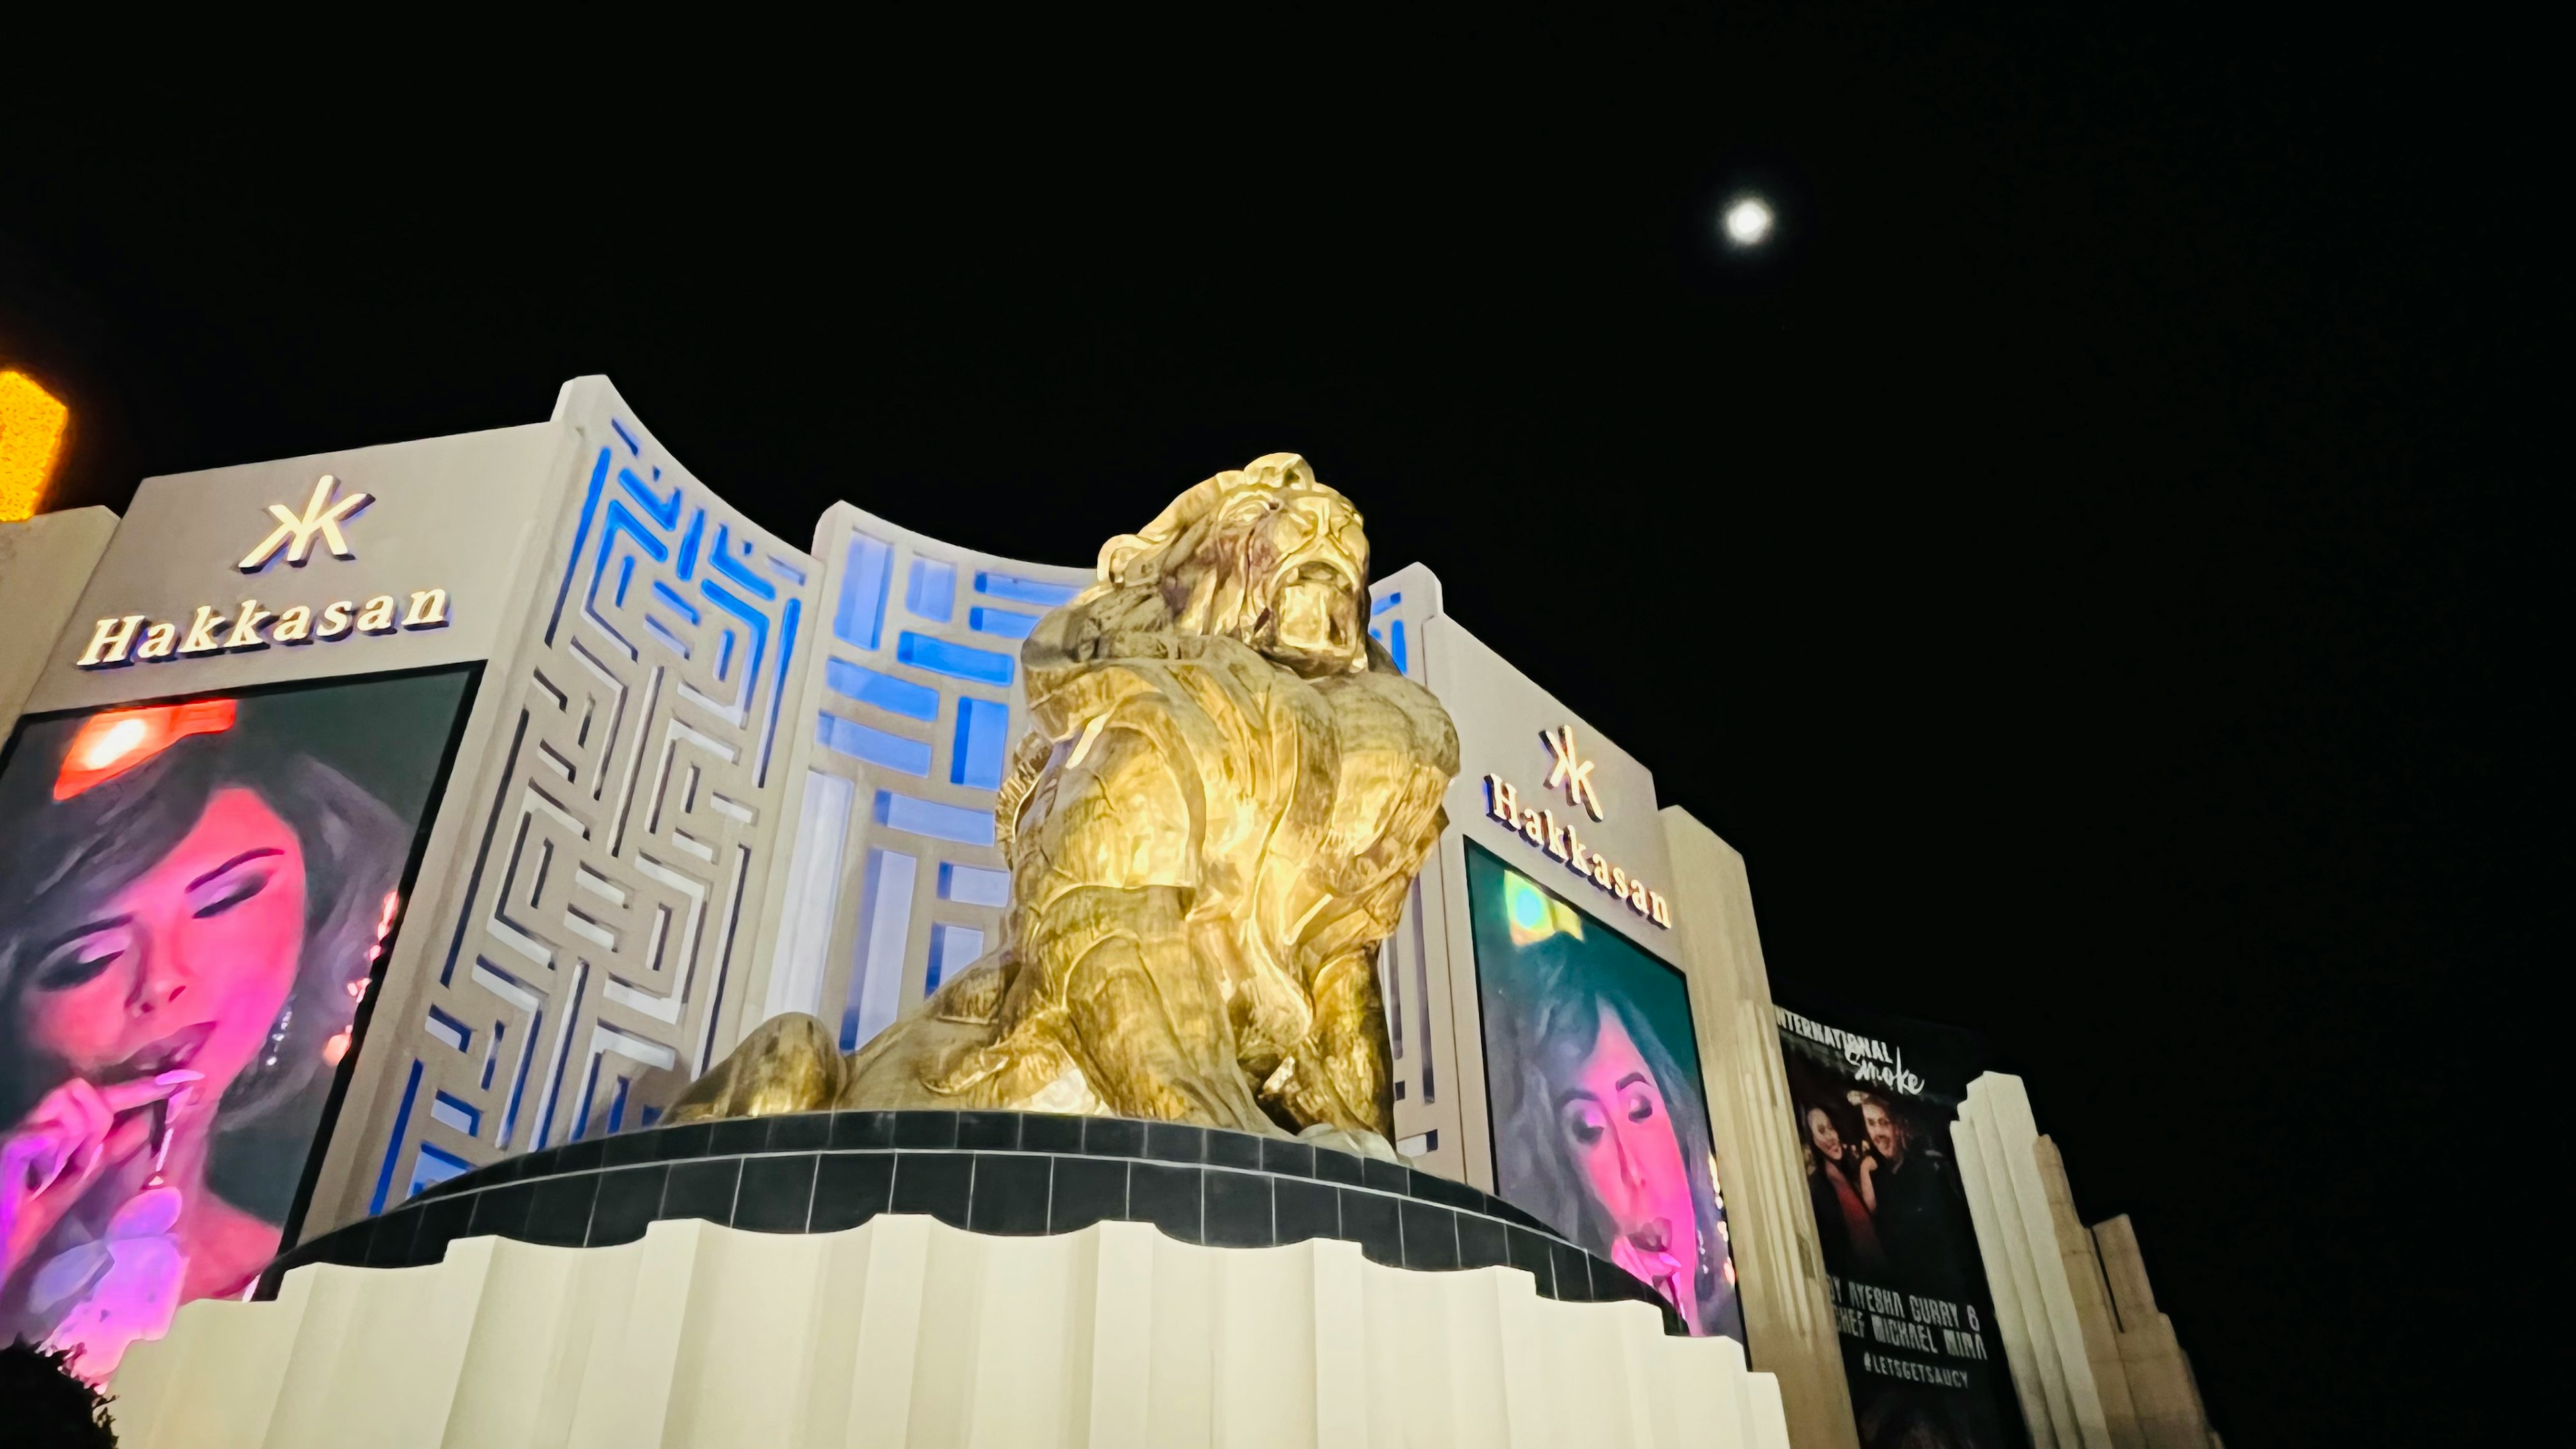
(2091,563)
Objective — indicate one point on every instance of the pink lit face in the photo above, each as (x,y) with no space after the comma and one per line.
(188,965)
(1621,1131)
(1820,1130)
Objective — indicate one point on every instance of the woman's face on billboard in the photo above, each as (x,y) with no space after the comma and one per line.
(188,965)
(1820,1130)
(1616,1121)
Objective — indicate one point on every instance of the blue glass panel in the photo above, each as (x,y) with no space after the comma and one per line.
(1382,605)
(1009,623)
(952,949)
(928,817)
(1024,591)
(932,593)
(461,1116)
(860,619)
(872,745)
(973,885)
(449,1030)
(885,923)
(983,666)
(896,696)
(983,729)
(433,1167)
(393,1149)
(1395,644)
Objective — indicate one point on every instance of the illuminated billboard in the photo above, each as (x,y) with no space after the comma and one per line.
(1600,1119)
(195,900)
(1874,1101)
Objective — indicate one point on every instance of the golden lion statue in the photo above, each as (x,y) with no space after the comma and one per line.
(1211,826)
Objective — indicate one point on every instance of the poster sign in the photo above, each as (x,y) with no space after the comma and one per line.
(1600,1120)
(195,901)
(1874,1101)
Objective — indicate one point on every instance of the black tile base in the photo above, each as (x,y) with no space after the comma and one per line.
(938,1184)
(1305,1210)
(1010,1193)
(1166,1196)
(849,1189)
(629,1198)
(1087,1190)
(1237,1206)
(987,1172)
(777,1193)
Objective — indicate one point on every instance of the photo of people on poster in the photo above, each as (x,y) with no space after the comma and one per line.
(1874,1100)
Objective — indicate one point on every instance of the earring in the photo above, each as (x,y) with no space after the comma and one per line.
(277,1034)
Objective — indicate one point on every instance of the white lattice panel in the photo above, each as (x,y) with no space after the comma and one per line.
(584,977)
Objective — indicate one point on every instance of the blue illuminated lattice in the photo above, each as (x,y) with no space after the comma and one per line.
(456,1114)
(929,817)
(872,745)
(896,696)
(861,613)
(1024,591)
(1009,623)
(448,1029)
(1390,633)
(932,593)
(983,733)
(434,1166)
(885,924)
(952,949)
(973,885)
(402,1133)
(957,661)
(732,586)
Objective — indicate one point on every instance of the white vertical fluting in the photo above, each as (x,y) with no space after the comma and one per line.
(905,1331)
(2004,1283)
(1115,1393)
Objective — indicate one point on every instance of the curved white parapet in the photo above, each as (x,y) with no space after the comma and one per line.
(906,1331)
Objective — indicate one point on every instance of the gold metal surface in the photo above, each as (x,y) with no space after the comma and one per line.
(1211,826)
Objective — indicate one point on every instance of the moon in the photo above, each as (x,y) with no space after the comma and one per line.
(1747,221)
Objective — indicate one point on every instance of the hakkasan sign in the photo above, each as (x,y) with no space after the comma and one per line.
(1559,839)
(121,639)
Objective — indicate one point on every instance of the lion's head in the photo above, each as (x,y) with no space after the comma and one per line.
(1266,555)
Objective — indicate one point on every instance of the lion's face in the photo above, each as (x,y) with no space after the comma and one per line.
(1266,555)
(1304,562)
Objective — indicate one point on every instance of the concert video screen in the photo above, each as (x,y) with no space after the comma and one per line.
(1874,1102)
(1600,1121)
(195,900)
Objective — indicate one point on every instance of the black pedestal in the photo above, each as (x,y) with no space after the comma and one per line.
(989,1172)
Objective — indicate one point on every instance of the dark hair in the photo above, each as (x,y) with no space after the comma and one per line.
(1554,1027)
(50,1406)
(64,858)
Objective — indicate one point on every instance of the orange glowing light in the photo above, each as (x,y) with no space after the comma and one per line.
(110,744)
(31,438)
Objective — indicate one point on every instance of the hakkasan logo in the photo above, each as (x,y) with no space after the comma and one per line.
(219,629)
(1559,839)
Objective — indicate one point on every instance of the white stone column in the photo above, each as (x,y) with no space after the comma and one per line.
(1780,1269)
(2054,1278)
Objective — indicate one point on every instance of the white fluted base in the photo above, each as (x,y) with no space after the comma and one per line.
(906,1331)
